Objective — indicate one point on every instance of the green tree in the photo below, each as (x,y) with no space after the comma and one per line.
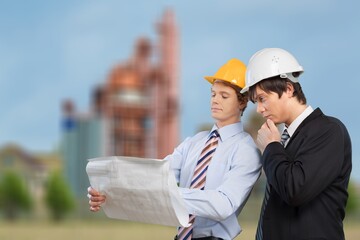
(14,196)
(352,203)
(59,199)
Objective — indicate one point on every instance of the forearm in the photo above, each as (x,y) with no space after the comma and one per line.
(220,203)
(207,203)
(300,177)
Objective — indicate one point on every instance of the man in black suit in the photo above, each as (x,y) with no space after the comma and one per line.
(308,173)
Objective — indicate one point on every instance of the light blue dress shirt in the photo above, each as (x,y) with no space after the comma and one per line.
(232,173)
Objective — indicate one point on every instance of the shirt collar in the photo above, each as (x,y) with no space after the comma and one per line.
(228,130)
(295,124)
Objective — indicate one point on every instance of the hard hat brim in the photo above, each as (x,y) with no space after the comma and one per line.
(244,90)
(211,79)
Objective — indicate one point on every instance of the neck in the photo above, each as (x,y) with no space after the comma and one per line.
(296,111)
(221,124)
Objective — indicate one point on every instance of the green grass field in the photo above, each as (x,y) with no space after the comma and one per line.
(114,230)
(85,225)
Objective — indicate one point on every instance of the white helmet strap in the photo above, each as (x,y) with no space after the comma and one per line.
(290,77)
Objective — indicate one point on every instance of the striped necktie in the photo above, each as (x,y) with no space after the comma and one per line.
(199,178)
(284,137)
(259,232)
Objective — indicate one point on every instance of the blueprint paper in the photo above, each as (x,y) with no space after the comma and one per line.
(138,189)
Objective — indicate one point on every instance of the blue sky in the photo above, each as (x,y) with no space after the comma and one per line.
(53,50)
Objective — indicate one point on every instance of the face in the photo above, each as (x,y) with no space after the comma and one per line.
(225,107)
(270,106)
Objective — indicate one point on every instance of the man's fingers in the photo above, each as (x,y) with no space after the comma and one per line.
(99,199)
(95,199)
(264,126)
(93,192)
(94,209)
(95,203)
(271,125)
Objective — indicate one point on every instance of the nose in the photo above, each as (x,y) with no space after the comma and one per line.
(215,99)
(260,108)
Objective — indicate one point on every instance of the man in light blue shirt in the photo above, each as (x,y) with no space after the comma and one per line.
(235,165)
(232,169)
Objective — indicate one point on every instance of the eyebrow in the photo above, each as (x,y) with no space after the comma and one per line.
(263,95)
(221,92)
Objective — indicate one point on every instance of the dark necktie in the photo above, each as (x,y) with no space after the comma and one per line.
(259,232)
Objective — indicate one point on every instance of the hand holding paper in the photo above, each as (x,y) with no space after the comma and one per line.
(138,189)
(95,199)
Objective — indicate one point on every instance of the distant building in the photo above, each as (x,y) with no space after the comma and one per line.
(81,140)
(29,167)
(134,113)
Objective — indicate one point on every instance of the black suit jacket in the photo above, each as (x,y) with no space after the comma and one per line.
(309,180)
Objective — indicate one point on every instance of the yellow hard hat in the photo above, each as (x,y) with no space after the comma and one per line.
(233,72)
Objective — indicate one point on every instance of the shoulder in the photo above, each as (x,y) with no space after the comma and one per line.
(243,144)
(197,137)
(337,125)
(324,121)
(244,138)
(200,135)
(318,123)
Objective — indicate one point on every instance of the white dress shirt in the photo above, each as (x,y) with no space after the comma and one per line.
(295,124)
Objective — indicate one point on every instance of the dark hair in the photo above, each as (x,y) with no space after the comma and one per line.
(278,85)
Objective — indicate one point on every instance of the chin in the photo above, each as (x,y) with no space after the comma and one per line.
(270,118)
(216,118)
(214,115)
(275,121)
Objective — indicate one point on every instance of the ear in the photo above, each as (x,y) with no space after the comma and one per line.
(289,89)
(242,105)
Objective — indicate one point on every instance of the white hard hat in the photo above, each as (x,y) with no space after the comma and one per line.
(270,62)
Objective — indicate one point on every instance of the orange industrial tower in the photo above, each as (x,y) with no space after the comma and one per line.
(140,98)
